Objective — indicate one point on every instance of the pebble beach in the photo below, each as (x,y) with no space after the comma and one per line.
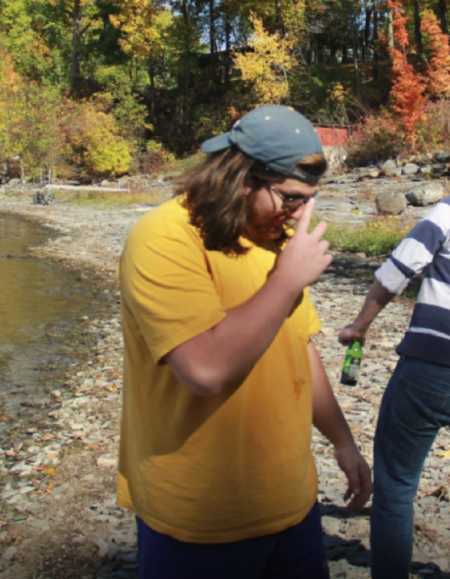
(58,517)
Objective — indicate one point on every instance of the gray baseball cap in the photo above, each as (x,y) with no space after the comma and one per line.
(277,136)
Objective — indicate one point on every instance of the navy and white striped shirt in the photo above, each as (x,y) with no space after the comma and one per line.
(425,250)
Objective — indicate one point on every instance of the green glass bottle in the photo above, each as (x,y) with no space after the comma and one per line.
(352,363)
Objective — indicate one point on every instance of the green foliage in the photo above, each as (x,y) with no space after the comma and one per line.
(97,148)
(29,121)
(125,104)
(375,237)
(211,120)
(165,70)
(106,154)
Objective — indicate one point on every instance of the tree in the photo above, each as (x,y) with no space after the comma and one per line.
(438,68)
(407,91)
(96,146)
(266,65)
(29,121)
(83,19)
(20,36)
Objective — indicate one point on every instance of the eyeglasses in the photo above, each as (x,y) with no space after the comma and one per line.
(291,200)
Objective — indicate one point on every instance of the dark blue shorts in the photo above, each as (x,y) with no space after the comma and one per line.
(296,553)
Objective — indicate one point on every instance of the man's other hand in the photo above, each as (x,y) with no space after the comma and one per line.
(350,333)
(359,478)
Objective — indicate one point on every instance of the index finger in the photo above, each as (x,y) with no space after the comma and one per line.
(305,218)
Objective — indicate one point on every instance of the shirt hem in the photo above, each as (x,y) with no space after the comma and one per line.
(214,537)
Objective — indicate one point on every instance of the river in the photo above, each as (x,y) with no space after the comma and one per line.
(41,308)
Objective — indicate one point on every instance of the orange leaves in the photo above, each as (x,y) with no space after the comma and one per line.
(407,92)
(438,69)
(408,99)
(399,23)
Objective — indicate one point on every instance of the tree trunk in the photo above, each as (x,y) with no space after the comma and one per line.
(212,28)
(375,68)
(279,20)
(417,32)
(75,68)
(365,48)
(185,92)
(227,27)
(390,20)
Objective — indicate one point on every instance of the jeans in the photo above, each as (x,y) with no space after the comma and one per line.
(296,553)
(415,405)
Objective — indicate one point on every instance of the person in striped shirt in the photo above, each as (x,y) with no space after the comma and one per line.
(416,403)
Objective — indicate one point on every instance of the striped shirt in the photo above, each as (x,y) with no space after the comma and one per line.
(426,251)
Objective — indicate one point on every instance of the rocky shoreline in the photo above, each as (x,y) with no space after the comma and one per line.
(58,516)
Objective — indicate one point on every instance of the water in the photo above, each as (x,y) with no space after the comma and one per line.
(41,305)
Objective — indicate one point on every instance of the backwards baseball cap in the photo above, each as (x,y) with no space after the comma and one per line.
(277,136)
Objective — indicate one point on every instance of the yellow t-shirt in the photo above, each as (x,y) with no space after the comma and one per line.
(209,469)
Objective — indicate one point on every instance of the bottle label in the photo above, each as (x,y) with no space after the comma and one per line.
(352,362)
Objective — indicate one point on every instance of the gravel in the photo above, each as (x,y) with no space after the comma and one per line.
(58,518)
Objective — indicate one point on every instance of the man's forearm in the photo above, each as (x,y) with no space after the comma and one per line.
(221,358)
(327,414)
(377,298)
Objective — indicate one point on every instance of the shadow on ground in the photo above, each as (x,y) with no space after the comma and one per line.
(355,553)
(356,269)
(358,272)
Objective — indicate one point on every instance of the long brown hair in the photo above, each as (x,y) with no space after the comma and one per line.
(214,194)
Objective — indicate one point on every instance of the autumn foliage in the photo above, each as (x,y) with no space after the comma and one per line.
(407,92)
(438,69)
(265,67)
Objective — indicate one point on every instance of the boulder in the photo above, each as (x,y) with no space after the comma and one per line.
(439,169)
(426,170)
(426,194)
(390,203)
(335,157)
(390,169)
(410,169)
(443,157)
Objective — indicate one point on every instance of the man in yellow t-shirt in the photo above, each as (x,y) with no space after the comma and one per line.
(222,380)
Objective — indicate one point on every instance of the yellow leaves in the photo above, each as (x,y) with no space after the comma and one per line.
(444,454)
(49,471)
(94,139)
(337,93)
(294,18)
(266,65)
(142,27)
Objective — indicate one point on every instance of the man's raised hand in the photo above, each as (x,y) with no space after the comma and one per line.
(306,255)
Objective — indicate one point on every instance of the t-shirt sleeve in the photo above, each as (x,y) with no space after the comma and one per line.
(166,284)
(306,318)
(417,250)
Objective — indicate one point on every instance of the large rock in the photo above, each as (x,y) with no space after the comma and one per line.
(410,169)
(426,194)
(390,203)
(335,157)
(390,168)
(443,157)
